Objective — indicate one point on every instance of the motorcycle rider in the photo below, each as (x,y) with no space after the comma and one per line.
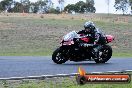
(93,34)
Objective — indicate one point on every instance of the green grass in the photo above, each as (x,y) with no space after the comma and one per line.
(122,54)
(35,36)
(67,82)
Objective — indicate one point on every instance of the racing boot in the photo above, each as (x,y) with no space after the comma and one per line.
(96,52)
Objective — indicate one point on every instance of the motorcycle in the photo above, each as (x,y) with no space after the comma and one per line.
(75,47)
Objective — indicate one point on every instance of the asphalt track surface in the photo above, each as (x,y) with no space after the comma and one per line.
(22,66)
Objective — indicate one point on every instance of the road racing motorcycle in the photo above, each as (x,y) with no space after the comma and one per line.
(75,47)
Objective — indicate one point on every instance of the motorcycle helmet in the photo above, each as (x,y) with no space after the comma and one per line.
(89,26)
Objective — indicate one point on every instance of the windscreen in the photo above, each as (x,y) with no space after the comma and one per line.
(70,36)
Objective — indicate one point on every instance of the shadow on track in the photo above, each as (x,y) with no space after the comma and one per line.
(84,64)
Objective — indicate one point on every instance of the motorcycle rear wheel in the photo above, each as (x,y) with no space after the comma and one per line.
(57,57)
(106,51)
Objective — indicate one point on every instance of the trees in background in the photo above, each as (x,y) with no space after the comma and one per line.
(17,7)
(6,5)
(61,5)
(46,6)
(90,6)
(130,3)
(121,5)
(14,6)
(81,7)
(41,6)
(25,4)
(70,8)
(90,1)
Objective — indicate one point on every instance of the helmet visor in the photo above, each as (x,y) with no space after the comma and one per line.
(88,29)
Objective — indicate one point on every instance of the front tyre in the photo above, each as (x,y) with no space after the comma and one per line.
(105,54)
(57,57)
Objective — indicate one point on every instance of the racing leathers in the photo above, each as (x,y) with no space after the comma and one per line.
(94,38)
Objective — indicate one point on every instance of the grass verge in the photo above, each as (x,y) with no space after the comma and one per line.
(67,82)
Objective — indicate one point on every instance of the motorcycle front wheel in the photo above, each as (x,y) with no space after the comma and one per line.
(105,54)
(57,57)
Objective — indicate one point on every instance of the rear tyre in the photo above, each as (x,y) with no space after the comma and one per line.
(105,54)
(57,57)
